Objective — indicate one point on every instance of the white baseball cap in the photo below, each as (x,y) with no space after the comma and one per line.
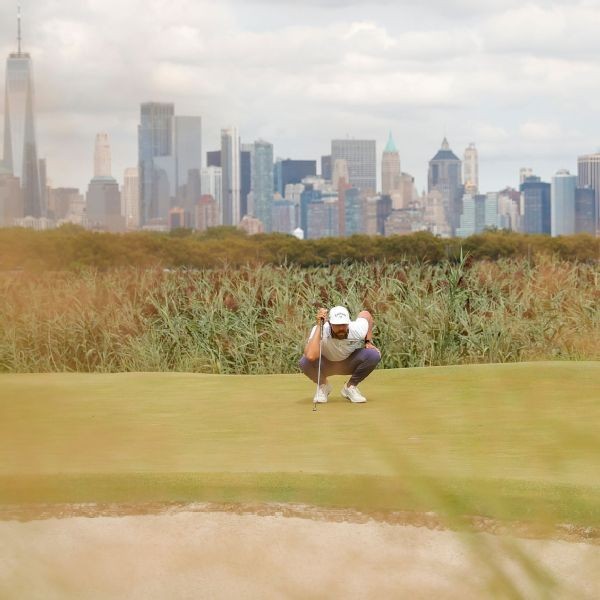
(339,315)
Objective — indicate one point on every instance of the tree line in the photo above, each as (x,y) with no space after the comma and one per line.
(71,247)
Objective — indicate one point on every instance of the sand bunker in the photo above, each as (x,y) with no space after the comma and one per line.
(199,554)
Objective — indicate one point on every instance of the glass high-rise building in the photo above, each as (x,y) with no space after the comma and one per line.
(262,182)
(326,167)
(353,212)
(20,156)
(156,162)
(585,210)
(588,174)
(536,206)
(563,203)
(292,171)
(360,156)
(188,163)
(231,173)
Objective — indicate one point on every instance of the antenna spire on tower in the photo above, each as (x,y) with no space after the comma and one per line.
(19,29)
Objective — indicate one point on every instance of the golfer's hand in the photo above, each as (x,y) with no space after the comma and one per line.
(371,346)
(321,315)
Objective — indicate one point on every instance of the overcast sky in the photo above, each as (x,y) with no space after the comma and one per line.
(521,80)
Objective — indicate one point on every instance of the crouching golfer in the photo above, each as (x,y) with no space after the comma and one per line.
(347,350)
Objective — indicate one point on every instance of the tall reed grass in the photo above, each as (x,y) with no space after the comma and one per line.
(255,320)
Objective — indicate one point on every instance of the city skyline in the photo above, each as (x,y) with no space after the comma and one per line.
(525,97)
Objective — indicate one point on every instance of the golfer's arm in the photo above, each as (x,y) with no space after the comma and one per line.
(311,350)
(365,314)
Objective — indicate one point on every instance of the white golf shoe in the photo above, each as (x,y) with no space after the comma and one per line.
(322,393)
(353,394)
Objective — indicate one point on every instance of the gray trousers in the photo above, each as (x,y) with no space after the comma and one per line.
(359,365)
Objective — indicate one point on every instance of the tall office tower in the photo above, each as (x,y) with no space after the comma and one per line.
(230,165)
(509,216)
(61,202)
(524,173)
(588,174)
(361,158)
(212,185)
(407,194)
(11,203)
(188,163)
(20,156)
(102,167)
(353,212)
(536,206)
(42,168)
(292,171)
(471,169)
(213,158)
(492,218)
(322,218)
(370,215)
(384,210)
(246,158)
(585,210)
(262,182)
(283,219)
(391,174)
(340,173)
(445,176)
(472,219)
(103,199)
(308,195)
(562,194)
(326,167)
(130,198)
(155,162)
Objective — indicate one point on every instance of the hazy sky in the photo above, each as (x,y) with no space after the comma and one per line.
(521,80)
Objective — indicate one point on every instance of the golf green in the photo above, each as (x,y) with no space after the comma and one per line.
(510,441)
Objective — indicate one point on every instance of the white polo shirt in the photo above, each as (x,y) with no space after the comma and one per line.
(337,350)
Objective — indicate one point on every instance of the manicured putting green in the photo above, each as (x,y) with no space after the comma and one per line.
(516,441)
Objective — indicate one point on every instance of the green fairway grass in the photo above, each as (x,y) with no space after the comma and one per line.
(509,441)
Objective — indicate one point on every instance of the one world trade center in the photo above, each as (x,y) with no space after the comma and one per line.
(20,147)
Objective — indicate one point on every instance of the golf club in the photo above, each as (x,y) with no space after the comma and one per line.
(321,322)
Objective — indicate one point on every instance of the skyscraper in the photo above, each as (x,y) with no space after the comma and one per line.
(326,167)
(212,185)
(391,173)
(262,182)
(585,210)
(445,176)
(103,199)
(246,152)
(156,161)
(188,162)
(292,171)
(11,205)
(472,219)
(536,206)
(588,174)
(231,172)
(20,156)
(360,156)
(102,167)
(130,198)
(563,203)
(471,169)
